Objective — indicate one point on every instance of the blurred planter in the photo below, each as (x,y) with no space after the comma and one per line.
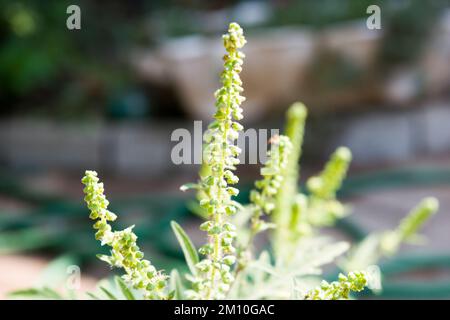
(436,60)
(326,69)
(429,75)
(340,75)
(274,70)
(335,68)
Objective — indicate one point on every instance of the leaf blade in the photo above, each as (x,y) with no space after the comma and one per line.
(188,248)
(176,285)
(124,289)
(108,293)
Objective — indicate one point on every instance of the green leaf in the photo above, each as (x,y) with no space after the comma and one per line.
(175,285)
(27,293)
(37,293)
(108,293)
(124,289)
(56,272)
(104,258)
(52,294)
(188,186)
(190,253)
(93,296)
(195,208)
(263,260)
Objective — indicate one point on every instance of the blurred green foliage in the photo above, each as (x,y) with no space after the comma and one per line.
(46,69)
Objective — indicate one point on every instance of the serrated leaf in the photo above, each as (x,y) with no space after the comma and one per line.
(124,289)
(190,253)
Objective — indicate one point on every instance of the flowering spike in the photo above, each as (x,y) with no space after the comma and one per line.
(125,253)
(391,240)
(263,197)
(339,290)
(330,179)
(220,157)
(295,127)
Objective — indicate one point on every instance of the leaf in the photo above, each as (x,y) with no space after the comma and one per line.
(56,272)
(124,289)
(37,293)
(190,253)
(31,293)
(195,208)
(236,287)
(314,253)
(189,186)
(362,255)
(238,205)
(171,295)
(264,260)
(52,293)
(104,258)
(108,293)
(93,296)
(175,285)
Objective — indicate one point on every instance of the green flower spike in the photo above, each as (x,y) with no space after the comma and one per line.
(339,290)
(324,209)
(407,230)
(329,181)
(221,156)
(295,127)
(263,197)
(125,253)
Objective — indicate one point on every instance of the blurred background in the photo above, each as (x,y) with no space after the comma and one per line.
(108,96)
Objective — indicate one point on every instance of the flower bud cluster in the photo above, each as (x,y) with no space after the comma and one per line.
(407,230)
(221,156)
(339,290)
(125,253)
(329,181)
(263,197)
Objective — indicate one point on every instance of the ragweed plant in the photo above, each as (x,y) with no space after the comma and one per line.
(125,253)
(220,153)
(341,289)
(228,266)
(385,244)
